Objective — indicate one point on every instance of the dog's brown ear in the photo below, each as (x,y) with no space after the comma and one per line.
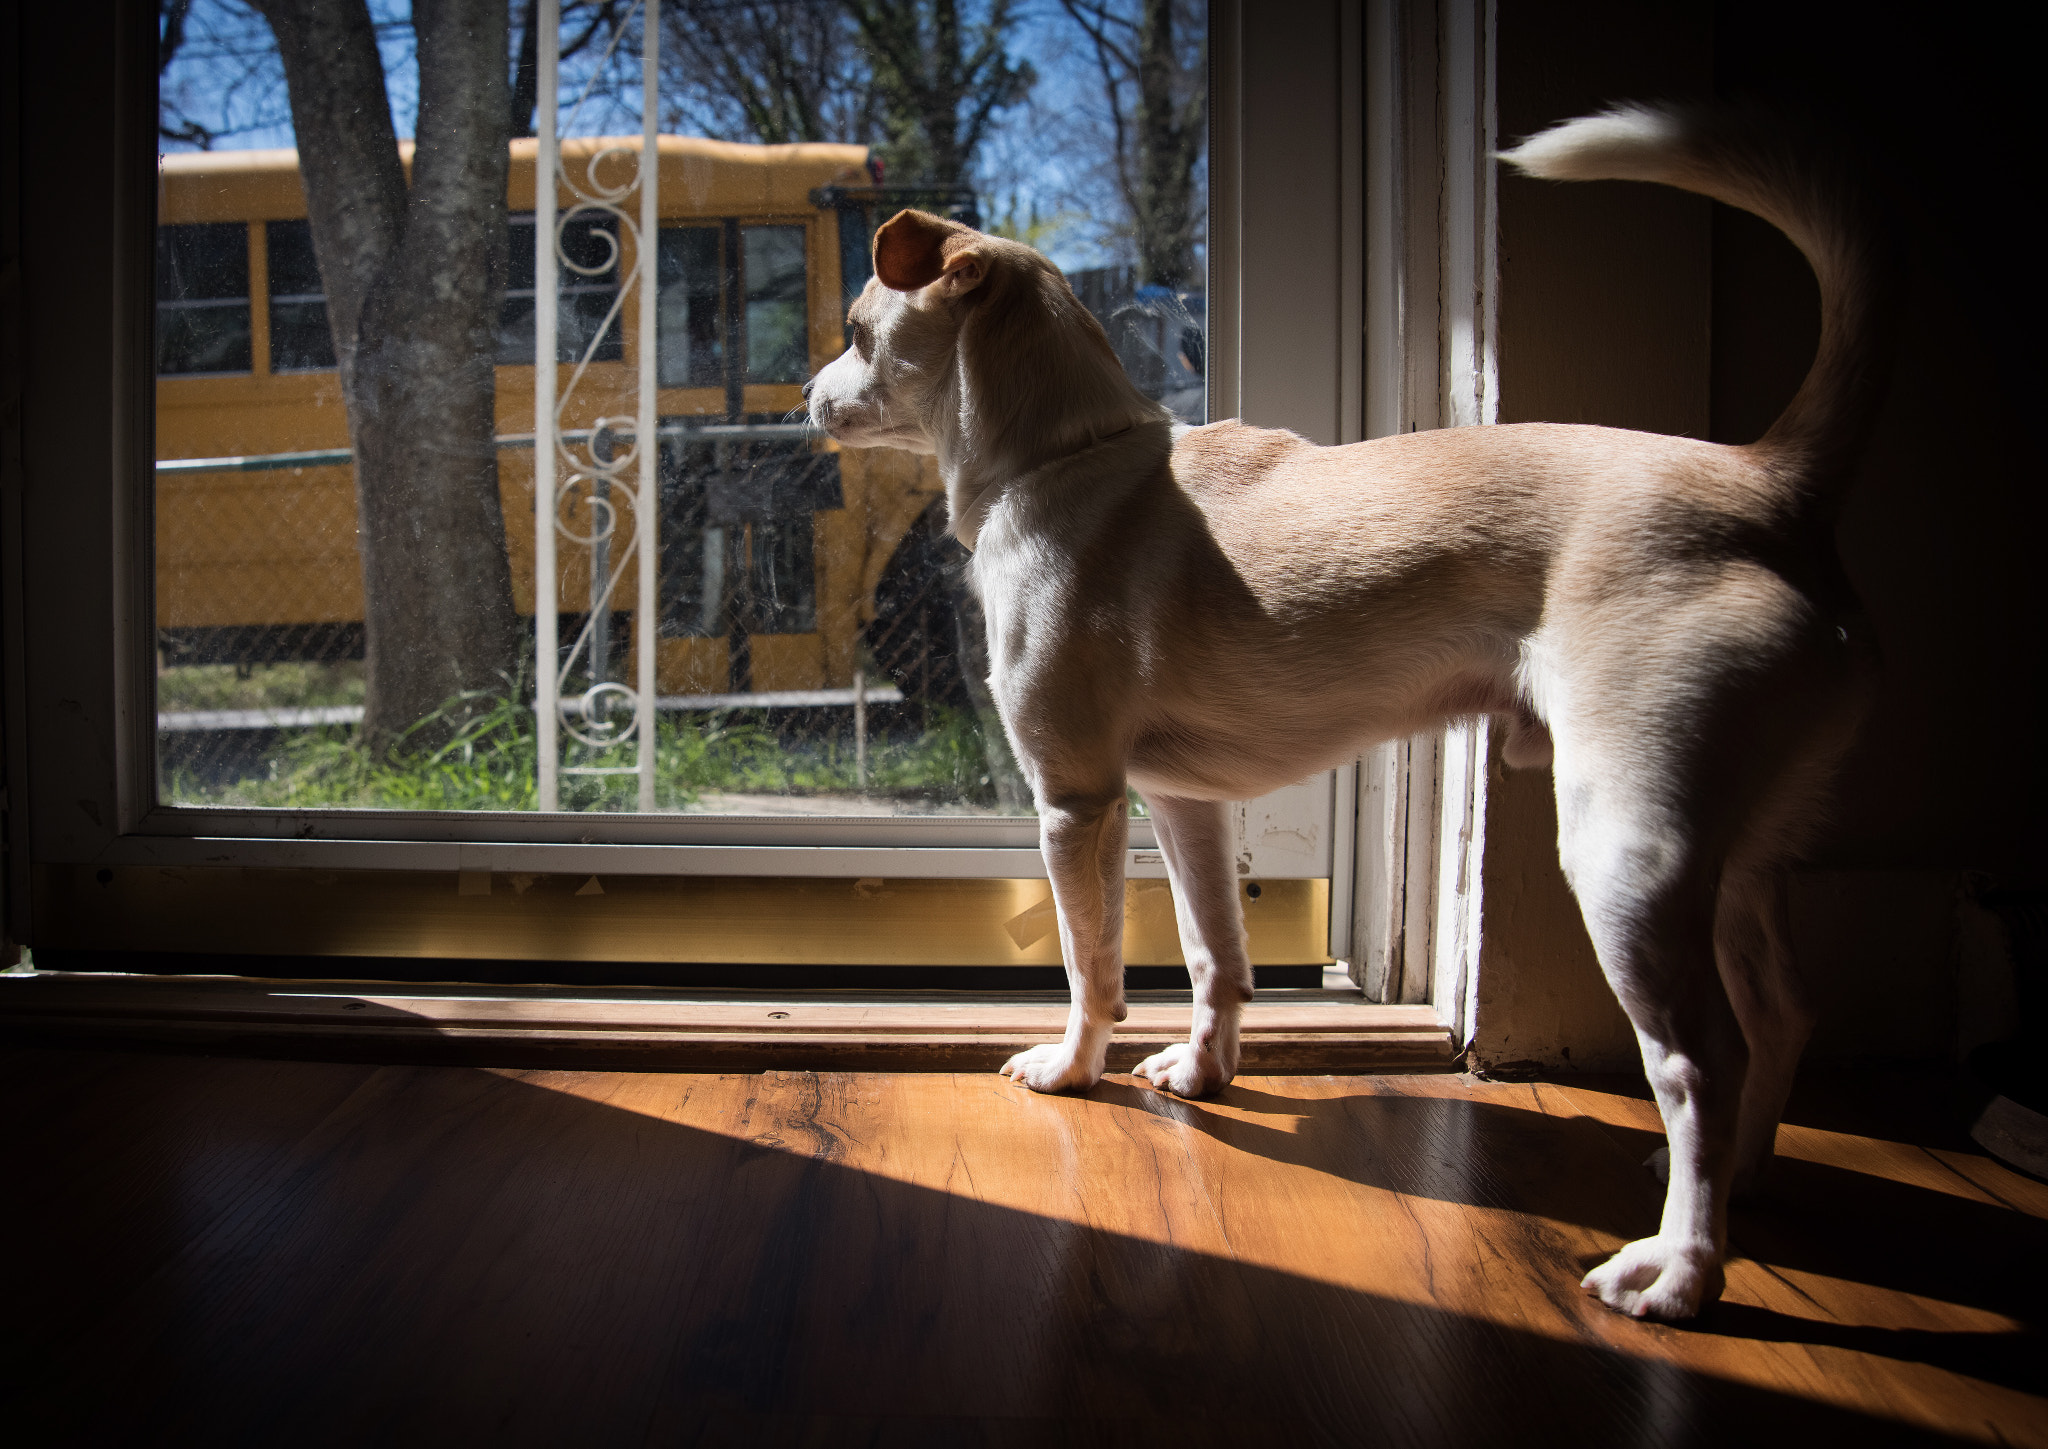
(913,249)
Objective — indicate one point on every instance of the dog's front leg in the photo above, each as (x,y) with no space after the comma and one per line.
(1083,843)
(1194,835)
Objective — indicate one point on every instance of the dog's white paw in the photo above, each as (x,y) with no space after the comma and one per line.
(1055,1067)
(1659,1163)
(1651,1278)
(1184,1070)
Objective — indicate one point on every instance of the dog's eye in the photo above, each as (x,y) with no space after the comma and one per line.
(861,341)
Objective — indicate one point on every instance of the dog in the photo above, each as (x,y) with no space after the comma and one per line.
(1207,614)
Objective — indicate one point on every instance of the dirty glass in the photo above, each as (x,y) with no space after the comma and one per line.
(349,582)
(202,298)
(586,292)
(690,313)
(774,270)
(299,338)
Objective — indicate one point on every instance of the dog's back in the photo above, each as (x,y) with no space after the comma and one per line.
(1344,595)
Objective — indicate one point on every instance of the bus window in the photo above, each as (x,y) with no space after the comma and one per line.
(776,345)
(779,487)
(738,517)
(589,286)
(691,321)
(202,298)
(781,574)
(692,560)
(693,315)
(300,340)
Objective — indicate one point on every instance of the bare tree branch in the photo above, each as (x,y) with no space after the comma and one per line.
(172,35)
(925,76)
(217,73)
(603,18)
(1154,86)
(766,70)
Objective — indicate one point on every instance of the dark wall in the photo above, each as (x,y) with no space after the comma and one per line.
(1634,307)
(1940,534)
(1600,322)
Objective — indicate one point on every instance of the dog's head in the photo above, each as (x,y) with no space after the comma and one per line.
(972,347)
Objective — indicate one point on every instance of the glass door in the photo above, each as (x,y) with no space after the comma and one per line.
(483,482)
(373,566)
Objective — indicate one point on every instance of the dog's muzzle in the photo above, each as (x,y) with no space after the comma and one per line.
(820,406)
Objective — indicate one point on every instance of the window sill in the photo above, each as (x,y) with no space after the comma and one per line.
(1292,1031)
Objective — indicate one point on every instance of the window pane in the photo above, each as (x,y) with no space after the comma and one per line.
(691,308)
(348,613)
(204,263)
(202,298)
(776,345)
(753,506)
(582,300)
(515,317)
(288,253)
(589,289)
(782,579)
(300,339)
(692,579)
(202,338)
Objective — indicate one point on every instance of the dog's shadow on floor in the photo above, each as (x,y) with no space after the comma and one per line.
(1808,1217)
(2012,1360)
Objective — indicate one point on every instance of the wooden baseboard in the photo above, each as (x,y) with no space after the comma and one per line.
(626,1029)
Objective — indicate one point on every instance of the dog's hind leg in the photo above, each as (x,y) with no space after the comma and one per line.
(1752,926)
(1647,893)
(1771,1003)
(1194,835)
(1083,844)
(1751,944)
(1752,918)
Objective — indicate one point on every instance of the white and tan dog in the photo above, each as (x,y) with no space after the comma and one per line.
(1208,614)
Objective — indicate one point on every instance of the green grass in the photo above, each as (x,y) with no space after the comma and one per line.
(291,685)
(491,764)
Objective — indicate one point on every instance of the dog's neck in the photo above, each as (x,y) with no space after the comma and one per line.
(968,502)
(1038,405)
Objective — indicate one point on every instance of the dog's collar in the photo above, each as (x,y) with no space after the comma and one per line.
(967,518)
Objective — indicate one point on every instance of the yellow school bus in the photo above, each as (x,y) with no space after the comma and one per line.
(752,301)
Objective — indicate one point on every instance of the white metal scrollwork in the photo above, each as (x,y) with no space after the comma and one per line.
(595,490)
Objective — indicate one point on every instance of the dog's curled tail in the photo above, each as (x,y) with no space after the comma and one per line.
(1803,183)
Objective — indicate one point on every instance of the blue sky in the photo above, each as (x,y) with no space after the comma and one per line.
(1044,157)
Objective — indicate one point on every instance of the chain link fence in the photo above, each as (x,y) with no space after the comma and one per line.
(259,709)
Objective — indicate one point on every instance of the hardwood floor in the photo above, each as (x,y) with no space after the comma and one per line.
(252,1252)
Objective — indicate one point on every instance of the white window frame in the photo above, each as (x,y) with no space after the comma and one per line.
(1431,269)
(1332,123)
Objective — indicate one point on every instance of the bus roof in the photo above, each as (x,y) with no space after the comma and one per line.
(699,177)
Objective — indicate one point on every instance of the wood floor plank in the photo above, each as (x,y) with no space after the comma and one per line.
(1844,1286)
(548,1257)
(1289,1030)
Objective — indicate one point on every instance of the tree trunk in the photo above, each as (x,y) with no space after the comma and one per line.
(415,280)
(1169,138)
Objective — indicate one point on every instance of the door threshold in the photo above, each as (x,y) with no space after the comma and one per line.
(640,1029)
